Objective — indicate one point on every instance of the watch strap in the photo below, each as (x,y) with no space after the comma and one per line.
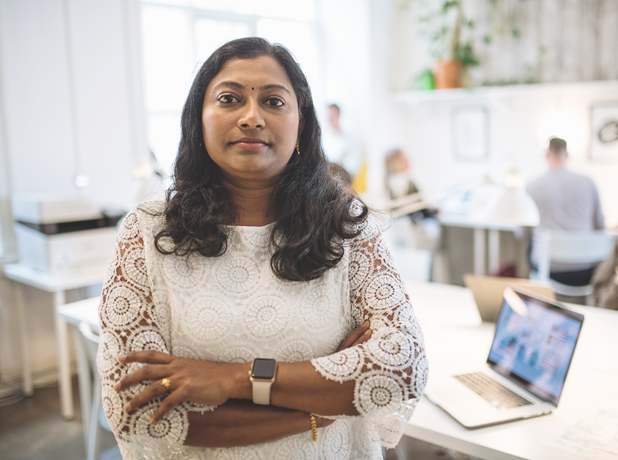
(261,392)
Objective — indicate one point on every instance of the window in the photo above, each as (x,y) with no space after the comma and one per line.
(179,35)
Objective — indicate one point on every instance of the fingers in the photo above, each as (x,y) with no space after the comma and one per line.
(148,357)
(173,400)
(152,391)
(148,372)
(363,338)
(355,336)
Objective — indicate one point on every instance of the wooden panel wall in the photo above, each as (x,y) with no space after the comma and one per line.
(543,41)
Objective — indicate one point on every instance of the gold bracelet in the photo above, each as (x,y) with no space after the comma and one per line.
(314,427)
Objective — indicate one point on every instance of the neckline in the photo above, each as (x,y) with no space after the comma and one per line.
(250,227)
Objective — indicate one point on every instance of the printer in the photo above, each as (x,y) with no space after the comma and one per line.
(63,234)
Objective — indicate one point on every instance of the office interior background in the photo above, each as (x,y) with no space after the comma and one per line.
(88,88)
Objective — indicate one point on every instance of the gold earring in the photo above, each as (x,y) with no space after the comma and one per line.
(297,149)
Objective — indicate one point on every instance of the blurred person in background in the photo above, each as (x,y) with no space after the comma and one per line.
(567,201)
(420,229)
(344,149)
(399,183)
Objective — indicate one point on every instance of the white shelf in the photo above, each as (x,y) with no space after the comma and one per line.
(486,92)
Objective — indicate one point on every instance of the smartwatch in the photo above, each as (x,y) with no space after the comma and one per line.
(262,376)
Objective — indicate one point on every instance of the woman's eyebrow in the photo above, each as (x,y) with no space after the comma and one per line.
(233,84)
(275,86)
(240,86)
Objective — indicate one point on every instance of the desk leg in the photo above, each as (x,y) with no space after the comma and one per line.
(479,252)
(85,382)
(27,386)
(64,365)
(494,250)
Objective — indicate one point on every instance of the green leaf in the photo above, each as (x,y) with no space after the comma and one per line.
(465,54)
(450,4)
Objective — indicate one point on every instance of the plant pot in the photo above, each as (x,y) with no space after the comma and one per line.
(448,74)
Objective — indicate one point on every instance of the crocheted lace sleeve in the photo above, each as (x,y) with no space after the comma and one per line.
(390,370)
(132,319)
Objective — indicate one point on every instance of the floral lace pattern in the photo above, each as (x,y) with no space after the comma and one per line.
(232,309)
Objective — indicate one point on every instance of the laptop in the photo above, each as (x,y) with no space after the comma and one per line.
(487,292)
(527,365)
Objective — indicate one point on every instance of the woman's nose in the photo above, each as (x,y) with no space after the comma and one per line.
(251,116)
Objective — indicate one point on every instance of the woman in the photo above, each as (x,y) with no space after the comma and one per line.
(256,253)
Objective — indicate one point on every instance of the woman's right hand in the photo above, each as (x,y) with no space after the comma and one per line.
(359,335)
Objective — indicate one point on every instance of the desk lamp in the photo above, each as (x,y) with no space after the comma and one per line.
(502,207)
(512,204)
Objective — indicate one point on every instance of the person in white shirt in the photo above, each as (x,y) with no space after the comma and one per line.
(256,313)
(566,201)
(341,147)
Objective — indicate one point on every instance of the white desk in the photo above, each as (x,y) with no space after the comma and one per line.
(480,229)
(57,285)
(590,385)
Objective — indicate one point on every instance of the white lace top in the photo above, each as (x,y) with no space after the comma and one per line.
(233,309)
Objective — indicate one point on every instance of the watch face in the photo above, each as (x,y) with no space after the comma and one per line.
(263,368)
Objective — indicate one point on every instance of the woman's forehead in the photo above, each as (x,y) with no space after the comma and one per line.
(260,71)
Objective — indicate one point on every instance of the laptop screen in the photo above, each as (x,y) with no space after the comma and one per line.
(534,344)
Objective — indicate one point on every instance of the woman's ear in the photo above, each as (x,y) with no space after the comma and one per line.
(301,126)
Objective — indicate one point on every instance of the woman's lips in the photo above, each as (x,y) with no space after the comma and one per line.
(250,144)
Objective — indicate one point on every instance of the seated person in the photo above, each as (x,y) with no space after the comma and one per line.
(566,201)
(399,184)
(605,282)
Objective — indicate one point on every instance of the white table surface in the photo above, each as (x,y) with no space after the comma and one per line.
(466,221)
(55,283)
(82,311)
(452,348)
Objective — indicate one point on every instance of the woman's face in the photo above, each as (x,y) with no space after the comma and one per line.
(250,121)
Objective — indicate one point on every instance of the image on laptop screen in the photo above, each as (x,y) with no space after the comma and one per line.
(534,343)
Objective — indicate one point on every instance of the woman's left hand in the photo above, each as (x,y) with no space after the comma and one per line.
(201,382)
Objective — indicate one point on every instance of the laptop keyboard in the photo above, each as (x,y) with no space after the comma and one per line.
(494,392)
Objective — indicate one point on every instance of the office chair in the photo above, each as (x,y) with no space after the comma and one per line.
(571,248)
(92,411)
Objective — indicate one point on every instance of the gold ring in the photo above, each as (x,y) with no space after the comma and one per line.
(166,383)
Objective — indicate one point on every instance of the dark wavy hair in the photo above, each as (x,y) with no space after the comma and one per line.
(313,212)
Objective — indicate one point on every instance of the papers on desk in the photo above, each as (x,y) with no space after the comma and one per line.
(592,437)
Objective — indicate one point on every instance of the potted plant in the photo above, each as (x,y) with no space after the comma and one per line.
(444,23)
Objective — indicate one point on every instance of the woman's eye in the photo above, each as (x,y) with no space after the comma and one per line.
(275,102)
(227,98)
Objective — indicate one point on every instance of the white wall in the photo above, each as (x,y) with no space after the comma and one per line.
(67,98)
(521,120)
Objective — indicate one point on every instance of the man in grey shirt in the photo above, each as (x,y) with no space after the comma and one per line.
(566,201)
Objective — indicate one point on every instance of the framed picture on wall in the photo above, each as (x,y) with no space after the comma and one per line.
(470,133)
(604,131)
